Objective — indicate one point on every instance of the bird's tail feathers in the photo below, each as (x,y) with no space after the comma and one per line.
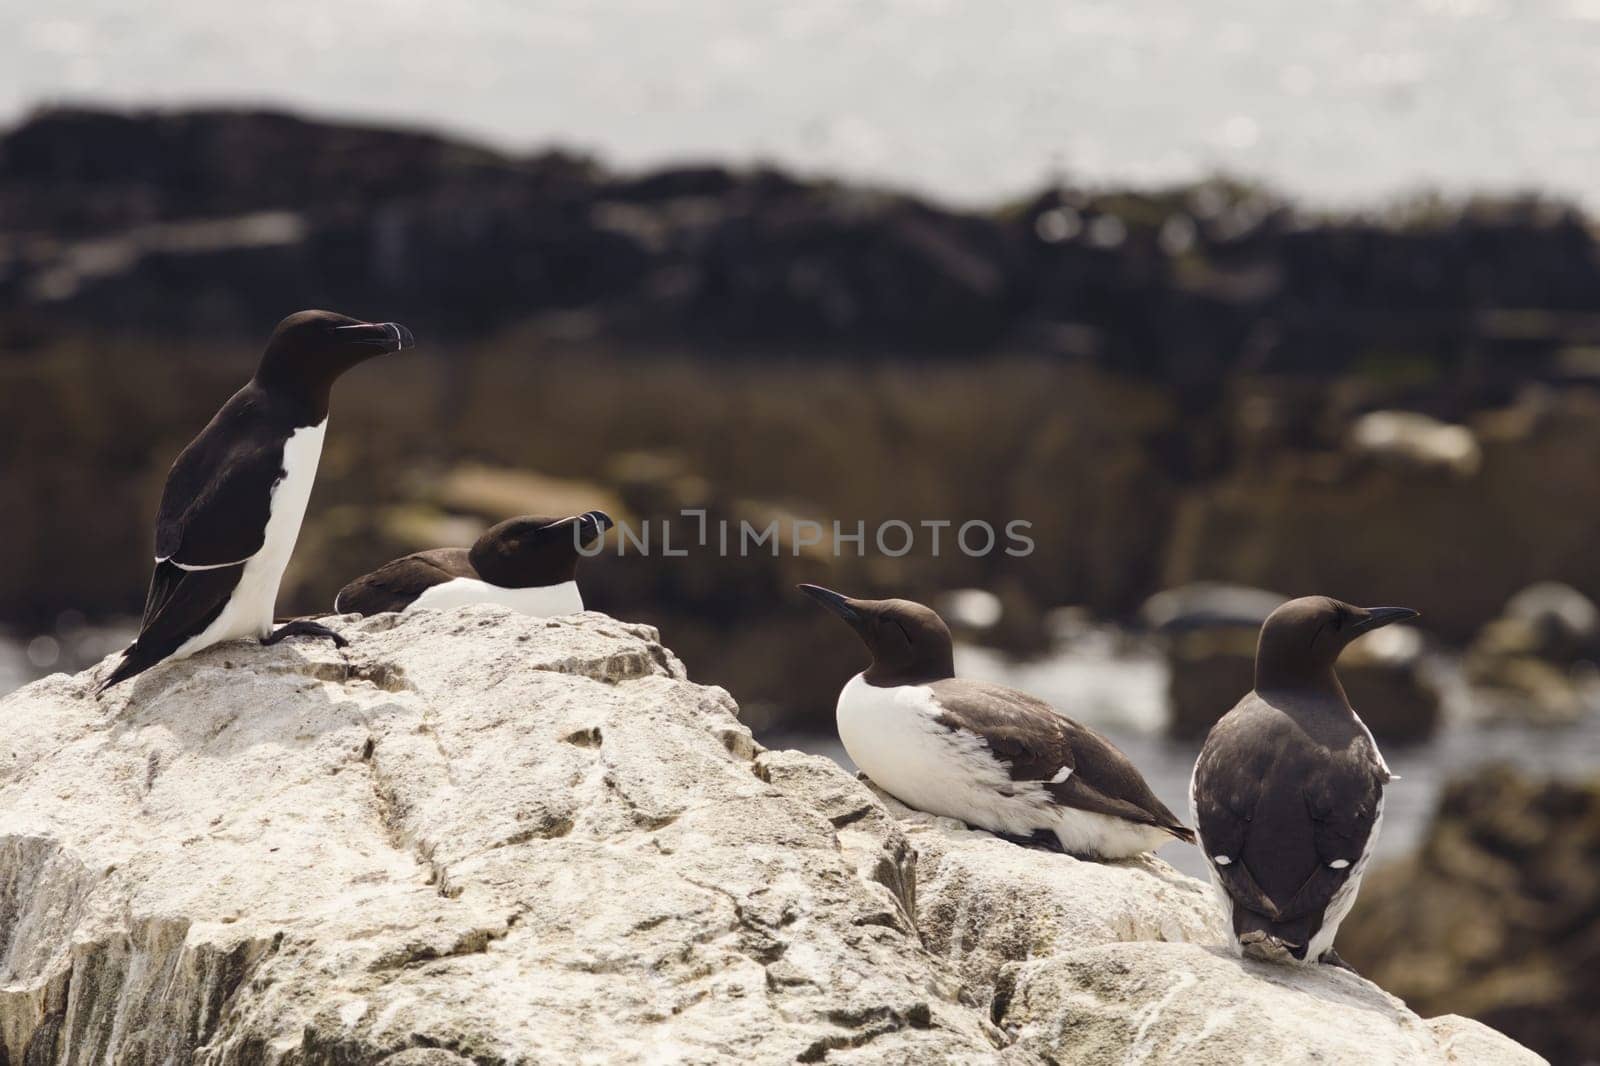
(132,664)
(1259,937)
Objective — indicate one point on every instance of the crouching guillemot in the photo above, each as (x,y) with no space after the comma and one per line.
(991,756)
(235,497)
(1287,794)
(528,564)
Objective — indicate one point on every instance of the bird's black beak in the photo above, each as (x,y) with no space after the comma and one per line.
(384,336)
(590,526)
(839,605)
(1378,617)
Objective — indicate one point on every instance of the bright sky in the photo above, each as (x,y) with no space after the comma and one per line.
(1340,100)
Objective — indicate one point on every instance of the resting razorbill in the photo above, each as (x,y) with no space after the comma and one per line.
(234,499)
(528,564)
(1287,794)
(991,756)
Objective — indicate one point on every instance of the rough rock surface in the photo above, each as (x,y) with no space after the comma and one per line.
(476,837)
(1150,1002)
(982,903)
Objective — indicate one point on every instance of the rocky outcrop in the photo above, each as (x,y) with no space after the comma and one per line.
(1310,520)
(1536,661)
(477,837)
(1497,916)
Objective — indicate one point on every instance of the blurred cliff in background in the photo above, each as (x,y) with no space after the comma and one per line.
(1203,399)
(1196,384)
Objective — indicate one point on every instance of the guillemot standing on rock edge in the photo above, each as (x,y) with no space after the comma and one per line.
(235,497)
(991,756)
(1288,790)
(528,564)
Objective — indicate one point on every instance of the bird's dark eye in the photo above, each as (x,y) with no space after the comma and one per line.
(1338,619)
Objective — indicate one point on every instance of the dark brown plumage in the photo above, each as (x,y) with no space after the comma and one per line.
(524,552)
(1288,790)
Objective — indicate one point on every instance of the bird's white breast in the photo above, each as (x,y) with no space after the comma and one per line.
(249,610)
(301,454)
(544,601)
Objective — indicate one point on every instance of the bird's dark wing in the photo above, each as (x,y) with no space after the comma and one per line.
(1342,805)
(394,585)
(181,603)
(218,495)
(1080,768)
(1283,810)
(1227,790)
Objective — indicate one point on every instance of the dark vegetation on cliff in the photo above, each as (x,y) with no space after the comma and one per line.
(192,223)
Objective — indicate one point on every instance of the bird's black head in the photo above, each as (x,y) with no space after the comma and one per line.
(1302,639)
(910,644)
(310,349)
(531,551)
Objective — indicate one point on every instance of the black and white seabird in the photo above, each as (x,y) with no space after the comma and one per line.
(235,497)
(991,756)
(529,564)
(1287,793)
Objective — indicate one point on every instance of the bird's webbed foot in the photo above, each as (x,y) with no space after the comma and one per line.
(1331,958)
(1042,839)
(303,627)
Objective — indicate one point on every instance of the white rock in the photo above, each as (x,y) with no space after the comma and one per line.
(508,839)
(983,902)
(1183,1003)
(478,837)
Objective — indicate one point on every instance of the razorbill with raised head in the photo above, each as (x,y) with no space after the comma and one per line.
(235,497)
(995,758)
(529,564)
(1287,794)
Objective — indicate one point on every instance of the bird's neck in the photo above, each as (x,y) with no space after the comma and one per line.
(1323,682)
(306,402)
(921,671)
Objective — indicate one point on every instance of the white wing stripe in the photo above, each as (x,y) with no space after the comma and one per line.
(196,566)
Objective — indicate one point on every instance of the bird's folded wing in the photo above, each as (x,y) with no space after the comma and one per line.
(217,501)
(1079,794)
(1078,767)
(395,584)
(1225,798)
(1023,731)
(1341,829)
(182,603)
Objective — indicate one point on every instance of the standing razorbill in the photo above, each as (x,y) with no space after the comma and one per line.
(991,756)
(1288,790)
(528,564)
(231,511)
